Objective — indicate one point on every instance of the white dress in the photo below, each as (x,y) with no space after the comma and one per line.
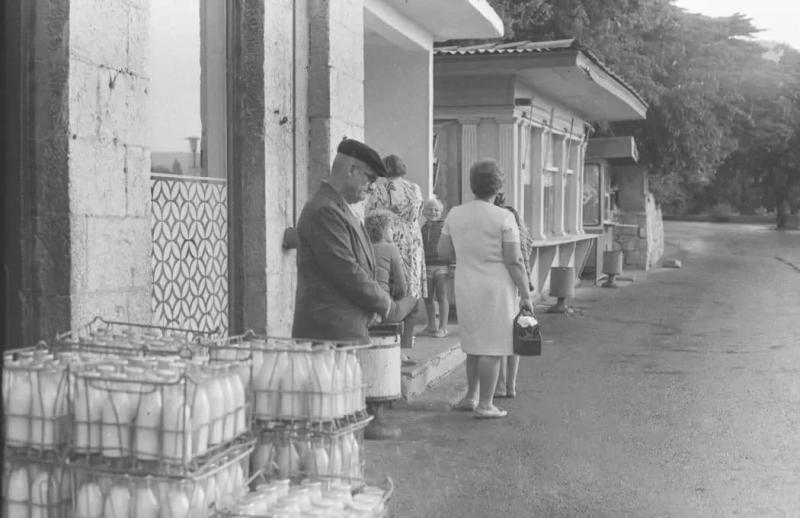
(486,297)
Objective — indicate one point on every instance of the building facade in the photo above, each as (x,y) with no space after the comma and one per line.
(529,105)
(162,149)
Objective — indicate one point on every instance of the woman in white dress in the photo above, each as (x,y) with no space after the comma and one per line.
(490,284)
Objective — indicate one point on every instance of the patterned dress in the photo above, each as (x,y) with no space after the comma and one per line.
(404,199)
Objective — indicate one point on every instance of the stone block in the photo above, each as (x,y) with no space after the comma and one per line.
(97,178)
(138,40)
(137,113)
(98,32)
(118,253)
(111,305)
(140,305)
(137,182)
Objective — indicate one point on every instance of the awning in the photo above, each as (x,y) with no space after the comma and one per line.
(620,150)
(562,70)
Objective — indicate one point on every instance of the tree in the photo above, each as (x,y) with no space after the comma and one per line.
(688,67)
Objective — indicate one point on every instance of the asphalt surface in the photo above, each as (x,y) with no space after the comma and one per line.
(676,395)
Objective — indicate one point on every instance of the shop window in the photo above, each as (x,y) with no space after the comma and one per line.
(592,195)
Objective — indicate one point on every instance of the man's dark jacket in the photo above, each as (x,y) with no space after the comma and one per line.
(337,294)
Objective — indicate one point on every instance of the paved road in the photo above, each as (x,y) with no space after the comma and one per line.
(677,395)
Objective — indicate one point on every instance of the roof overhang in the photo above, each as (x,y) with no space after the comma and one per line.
(567,76)
(618,150)
(446,19)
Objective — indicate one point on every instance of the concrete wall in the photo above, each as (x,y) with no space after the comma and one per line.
(398,103)
(108,161)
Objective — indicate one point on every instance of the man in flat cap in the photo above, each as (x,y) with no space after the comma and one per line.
(337,295)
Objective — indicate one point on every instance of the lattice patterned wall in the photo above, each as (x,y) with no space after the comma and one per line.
(190,252)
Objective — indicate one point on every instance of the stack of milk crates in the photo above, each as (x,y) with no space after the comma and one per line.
(119,419)
(308,417)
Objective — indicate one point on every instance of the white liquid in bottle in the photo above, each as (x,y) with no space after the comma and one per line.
(118,503)
(89,503)
(18,410)
(146,441)
(17,494)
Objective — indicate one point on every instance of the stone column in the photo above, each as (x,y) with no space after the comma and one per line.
(109,161)
(336,80)
(509,162)
(469,153)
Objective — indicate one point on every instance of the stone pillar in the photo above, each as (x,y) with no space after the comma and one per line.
(109,161)
(469,154)
(336,80)
(537,165)
(508,144)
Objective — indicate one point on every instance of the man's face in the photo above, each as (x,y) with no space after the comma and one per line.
(360,177)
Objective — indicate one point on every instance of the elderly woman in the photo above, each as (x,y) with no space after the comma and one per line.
(490,284)
(403,198)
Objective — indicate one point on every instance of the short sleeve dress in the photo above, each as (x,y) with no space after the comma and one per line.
(486,297)
(404,199)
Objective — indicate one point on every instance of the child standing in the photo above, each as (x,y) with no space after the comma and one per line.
(437,269)
(388,263)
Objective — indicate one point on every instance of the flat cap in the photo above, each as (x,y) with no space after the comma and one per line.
(354,148)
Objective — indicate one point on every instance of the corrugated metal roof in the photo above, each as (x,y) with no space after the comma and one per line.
(530,47)
(514,47)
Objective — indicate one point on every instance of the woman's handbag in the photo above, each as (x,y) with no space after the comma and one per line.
(527,334)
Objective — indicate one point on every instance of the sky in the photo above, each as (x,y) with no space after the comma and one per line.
(778,18)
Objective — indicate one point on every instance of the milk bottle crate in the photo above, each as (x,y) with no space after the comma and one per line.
(127,338)
(347,497)
(98,493)
(35,487)
(36,419)
(156,415)
(296,452)
(298,380)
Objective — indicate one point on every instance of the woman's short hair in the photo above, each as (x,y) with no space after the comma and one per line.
(434,201)
(394,166)
(376,223)
(485,178)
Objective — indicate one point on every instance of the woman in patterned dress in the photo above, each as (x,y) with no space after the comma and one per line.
(404,198)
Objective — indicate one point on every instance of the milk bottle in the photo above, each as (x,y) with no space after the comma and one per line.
(201,416)
(217,407)
(18,494)
(89,503)
(146,440)
(146,503)
(240,399)
(88,402)
(118,503)
(18,410)
(320,402)
(48,406)
(116,420)
(229,398)
(176,439)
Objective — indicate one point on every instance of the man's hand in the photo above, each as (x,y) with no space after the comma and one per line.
(375,320)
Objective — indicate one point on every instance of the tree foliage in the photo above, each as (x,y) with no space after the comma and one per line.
(718,110)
